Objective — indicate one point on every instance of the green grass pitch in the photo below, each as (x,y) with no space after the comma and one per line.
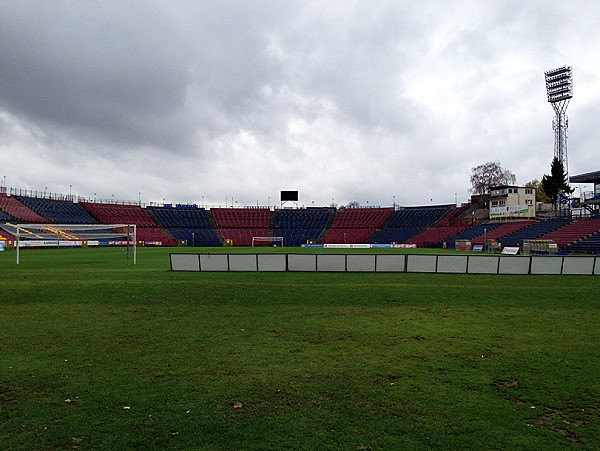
(98,353)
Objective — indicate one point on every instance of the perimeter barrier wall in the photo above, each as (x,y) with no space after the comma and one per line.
(405,263)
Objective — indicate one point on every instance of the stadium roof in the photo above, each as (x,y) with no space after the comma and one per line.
(589,177)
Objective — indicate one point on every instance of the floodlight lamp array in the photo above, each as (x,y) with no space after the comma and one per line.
(559,84)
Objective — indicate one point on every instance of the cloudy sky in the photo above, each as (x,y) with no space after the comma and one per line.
(366,101)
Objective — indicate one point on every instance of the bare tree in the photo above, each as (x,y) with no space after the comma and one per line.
(488,175)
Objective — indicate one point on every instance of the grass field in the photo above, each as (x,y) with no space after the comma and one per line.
(96,352)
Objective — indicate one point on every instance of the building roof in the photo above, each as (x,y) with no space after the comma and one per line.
(503,186)
(588,177)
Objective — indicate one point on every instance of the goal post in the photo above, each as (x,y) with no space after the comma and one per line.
(258,240)
(70,235)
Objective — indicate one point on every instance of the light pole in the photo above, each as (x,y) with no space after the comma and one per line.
(559,86)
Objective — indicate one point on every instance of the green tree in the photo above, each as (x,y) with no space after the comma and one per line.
(556,183)
(540,193)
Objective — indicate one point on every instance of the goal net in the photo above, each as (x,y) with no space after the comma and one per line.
(267,241)
(73,235)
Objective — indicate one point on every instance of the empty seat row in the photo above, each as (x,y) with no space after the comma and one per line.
(59,211)
(195,236)
(181,217)
(18,210)
(590,244)
(120,214)
(500,232)
(533,232)
(296,236)
(241,217)
(350,218)
(302,219)
(573,232)
(417,216)
(395,235)
(243,236)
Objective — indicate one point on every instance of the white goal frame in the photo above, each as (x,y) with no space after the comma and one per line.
(61,233)
(269,239)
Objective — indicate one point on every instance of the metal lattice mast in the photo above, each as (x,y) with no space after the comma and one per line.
(559,86)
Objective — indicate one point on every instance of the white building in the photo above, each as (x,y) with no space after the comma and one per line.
(512,202)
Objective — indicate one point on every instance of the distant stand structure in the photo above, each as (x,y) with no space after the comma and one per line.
(559,86)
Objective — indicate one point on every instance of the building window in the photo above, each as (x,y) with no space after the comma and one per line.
(528,191)
(502,203)
(529,202)
(494,203)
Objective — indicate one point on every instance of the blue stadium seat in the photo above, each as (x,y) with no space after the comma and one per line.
(59,211)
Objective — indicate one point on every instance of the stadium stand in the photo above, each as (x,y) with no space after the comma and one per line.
(181,217)
(453,214)
(5,216)
(408,222)
(188,224)
(121,214)
(417,216)
(590,244)
(147,230)
(499,232)
(533,232)
(436,236)
(5,234)
(243,236)
(352,218)
(347,235)
(395,235)
(573,232)
(238,218)
(59,211)
(195,236)
(152,235)
(476,231)
(19,211)
(240,224)
(356,225)
(300,226)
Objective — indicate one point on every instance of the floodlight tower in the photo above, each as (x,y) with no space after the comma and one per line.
(559,85)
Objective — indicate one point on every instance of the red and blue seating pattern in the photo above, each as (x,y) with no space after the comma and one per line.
(59,211)
(431,226)
(300,226)
(190,225)
(19,211)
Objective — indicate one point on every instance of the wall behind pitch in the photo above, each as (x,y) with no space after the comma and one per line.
(302,262)
(419,263)
(578,265)
(272,262)
(514,265)
(456,264)
(214,262)
(390,263)
(243,262)
(185,262)
(483,264)
(331,262)
(360,263)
